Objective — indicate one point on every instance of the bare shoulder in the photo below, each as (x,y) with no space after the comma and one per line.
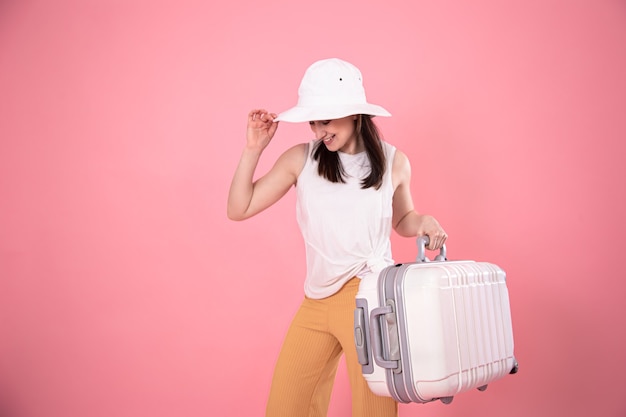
(401,168)
(400,159)
(293,159)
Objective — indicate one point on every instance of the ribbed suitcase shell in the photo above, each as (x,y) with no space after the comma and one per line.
(430,330)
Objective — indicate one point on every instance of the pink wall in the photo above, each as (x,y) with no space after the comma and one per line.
(125,291)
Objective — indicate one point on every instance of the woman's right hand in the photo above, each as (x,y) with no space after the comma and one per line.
(248,196)
(261,129)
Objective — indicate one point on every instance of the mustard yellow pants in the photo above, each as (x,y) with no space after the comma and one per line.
(305,372)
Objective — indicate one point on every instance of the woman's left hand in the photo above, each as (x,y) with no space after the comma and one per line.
(430,227)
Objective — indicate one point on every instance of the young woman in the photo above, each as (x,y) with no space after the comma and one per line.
(352,189)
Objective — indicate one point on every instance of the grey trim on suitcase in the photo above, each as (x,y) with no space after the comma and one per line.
(394,349)
(400,377)
(362,338)
(406,378)
(379,348)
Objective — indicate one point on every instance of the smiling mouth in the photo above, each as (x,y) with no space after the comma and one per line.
(328,139)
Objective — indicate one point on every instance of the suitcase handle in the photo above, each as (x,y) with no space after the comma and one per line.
(377,339)
(422,242)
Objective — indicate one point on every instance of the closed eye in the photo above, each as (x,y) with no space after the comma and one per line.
(323,122)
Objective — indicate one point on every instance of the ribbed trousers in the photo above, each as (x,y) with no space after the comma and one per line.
(305,372)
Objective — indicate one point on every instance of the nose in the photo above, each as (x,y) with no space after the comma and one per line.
(319,130)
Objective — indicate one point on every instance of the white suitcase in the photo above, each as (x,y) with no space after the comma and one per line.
(429,330)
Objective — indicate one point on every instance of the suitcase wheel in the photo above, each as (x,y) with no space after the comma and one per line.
(482,388)
(446,400)
(515,368)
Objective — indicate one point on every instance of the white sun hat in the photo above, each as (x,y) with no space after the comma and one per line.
(330,89)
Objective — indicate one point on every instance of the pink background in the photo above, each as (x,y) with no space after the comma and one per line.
(125,291)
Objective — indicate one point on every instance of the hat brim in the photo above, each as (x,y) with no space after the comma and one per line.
(307,114)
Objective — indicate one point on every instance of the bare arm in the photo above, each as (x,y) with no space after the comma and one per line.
(247,197)
(406,220)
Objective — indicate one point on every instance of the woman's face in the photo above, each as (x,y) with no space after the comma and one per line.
(338,134)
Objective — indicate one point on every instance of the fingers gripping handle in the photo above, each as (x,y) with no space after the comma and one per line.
(422,242)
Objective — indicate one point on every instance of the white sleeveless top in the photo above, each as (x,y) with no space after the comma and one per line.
(346,229)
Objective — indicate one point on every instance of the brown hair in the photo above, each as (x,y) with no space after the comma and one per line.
(329,164)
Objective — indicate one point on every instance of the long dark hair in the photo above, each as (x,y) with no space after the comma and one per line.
(329,164)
